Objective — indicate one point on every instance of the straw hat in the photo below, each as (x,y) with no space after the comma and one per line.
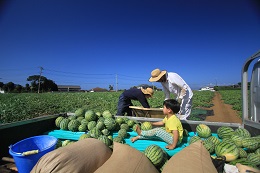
(156,75)
(148,91)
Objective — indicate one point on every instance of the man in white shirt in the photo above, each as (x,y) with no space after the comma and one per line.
(173,83)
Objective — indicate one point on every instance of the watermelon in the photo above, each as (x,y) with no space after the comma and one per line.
(242,132)
(257,138)
(130,123)
(209,145)
(155,154)
(90,115)
(146,125)
(213,139)
(105,140)
(225,132)
(126,119)
(101,119)
(242,153)
(125,126)
(250,143)
(65,143)
(203,131)
(58,121)
(59,144)
(80,119)
(110,137)
(229,150)
(229,140)
(99,114)
(122,133)
(82,128)
(92,124)
(119,120)
(71,142)
(64,124)
(257,151)
(84,136)
(119,139)
(105,132)
(254,158)
(100,125)
(72,117)
(80,112)
(107,114)
(84,121)
(243,161)
(185,133)
(95,133)
(110,123)
(73,125)
(166,157)
(237,140)
(194,139)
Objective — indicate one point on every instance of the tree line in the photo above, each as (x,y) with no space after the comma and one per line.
(37,83)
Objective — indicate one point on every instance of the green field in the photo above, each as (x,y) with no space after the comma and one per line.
(17,107)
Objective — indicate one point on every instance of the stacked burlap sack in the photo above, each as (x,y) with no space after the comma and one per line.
(93,156)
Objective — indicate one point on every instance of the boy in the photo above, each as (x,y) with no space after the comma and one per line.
(173,132)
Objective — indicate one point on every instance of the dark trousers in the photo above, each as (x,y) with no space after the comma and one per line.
(123,106)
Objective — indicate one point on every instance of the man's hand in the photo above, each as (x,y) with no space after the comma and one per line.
(179,100)
(183,92)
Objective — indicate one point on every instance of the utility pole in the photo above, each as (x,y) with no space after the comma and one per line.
(116,82)
(39,84)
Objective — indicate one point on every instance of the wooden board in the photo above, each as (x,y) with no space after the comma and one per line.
(147,112)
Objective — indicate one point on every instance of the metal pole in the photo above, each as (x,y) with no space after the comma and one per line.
(116,82)
(39,83)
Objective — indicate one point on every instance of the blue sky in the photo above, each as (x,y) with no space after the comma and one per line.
(97,43)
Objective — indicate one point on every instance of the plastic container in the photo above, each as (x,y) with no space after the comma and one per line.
(27,152)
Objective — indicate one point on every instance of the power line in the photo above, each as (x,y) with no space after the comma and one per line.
(74,73)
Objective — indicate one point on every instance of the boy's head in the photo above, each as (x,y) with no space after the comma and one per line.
(172,104)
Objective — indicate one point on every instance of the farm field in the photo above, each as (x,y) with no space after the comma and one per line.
(17,107)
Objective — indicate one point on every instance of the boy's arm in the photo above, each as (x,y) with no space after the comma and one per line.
(175,140)
(159,123)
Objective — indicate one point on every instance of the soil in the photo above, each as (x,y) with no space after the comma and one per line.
(223,112)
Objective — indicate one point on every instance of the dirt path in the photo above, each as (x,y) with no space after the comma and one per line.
(222,112)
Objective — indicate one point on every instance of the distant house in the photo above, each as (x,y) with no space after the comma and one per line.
(97,89)
(69,88)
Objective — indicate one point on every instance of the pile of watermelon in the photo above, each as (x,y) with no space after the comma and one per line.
(96,125)
(102,126)
(237,145)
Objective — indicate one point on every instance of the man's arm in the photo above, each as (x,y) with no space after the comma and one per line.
(166,92)
(184,89)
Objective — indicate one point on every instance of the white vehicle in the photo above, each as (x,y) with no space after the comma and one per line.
(207,89)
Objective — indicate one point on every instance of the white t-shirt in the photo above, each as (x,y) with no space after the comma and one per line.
(174,85)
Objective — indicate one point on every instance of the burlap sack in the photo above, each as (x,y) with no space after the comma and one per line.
(83,156)
(126,159)
(195,158)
